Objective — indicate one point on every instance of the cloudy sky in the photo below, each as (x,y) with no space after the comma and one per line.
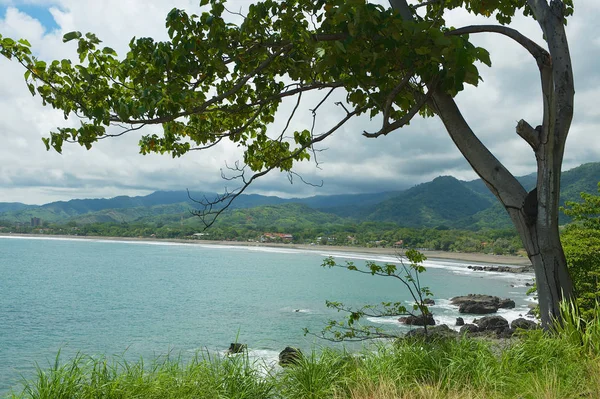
(351,163)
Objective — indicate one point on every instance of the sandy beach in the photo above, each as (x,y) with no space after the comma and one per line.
(460,256)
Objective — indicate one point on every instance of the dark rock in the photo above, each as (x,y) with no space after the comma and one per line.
(477,308)
(523,324)
(469,328)
(460,321)
(418,320)
(481,304)
(236,348)
(436,332)
(532,313)
(492,323)
(528,285)
(289,356)
(507,304)
(502,269)
(428,301)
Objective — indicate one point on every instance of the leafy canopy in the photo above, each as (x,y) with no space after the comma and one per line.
(215,80)
(581,243)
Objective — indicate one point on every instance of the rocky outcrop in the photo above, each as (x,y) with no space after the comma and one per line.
(236,347)
(289,356)
(418,320)
(523,324)
(460,321)
(477,308)
(492,323)
(436,332)
(428,301)
(481,304)
(503,269)
(488,326)
(469,328)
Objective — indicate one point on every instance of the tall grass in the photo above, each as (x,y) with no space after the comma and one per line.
(564,363)
(204,376)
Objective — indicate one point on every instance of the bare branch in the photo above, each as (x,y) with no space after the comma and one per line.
(291,175)
(292,115)
(208,214)
(529,134)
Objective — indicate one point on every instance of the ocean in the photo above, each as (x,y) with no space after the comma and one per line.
(147,299)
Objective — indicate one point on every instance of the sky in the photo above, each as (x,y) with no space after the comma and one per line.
(350,163)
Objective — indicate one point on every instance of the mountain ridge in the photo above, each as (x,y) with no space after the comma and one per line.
(443,202)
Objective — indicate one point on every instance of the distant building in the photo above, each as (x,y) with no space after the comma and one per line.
(399,244)
(36,222)
(274,237)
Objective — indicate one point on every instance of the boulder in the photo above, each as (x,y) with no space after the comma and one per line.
(523,324)
(460,321)
(492,323)
(469,328)
(477,308)
(435,332)
(236,347)
(507,304)
(481,304)
(289,356)
(418,320)
(428,301)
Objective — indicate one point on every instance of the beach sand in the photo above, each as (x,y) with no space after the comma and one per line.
(459,256)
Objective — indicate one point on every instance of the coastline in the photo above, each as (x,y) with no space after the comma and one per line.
(457,256)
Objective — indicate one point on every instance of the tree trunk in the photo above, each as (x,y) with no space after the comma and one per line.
(537,224)
(534,214)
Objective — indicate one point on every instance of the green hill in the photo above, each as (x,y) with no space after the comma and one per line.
(443,202)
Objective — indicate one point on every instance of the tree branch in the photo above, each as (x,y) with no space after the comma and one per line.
(229,197)
(500,181)
(387,127)
(538,52)
(529,134)
(202,107)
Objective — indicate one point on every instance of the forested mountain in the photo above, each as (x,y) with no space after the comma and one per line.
(443,202)
(13,206)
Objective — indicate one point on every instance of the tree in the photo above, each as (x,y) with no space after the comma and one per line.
(214,80)
(581,241)
(351,328)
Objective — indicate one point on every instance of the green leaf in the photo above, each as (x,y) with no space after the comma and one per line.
(108,50)
(340,46)
(71,36)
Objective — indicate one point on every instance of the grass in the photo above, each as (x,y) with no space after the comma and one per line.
(563,364)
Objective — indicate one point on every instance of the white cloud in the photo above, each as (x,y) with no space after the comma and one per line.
(352,163)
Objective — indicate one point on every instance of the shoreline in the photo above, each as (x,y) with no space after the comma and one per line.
(443,255)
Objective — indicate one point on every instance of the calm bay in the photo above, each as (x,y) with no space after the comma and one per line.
(146,299)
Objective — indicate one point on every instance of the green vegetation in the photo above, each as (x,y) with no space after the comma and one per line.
(422,217)
(444,202)
(536,364)
(581,242)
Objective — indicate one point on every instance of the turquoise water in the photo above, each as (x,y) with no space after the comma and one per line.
(146,299)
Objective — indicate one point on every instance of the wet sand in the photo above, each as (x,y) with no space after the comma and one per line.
(459,256)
